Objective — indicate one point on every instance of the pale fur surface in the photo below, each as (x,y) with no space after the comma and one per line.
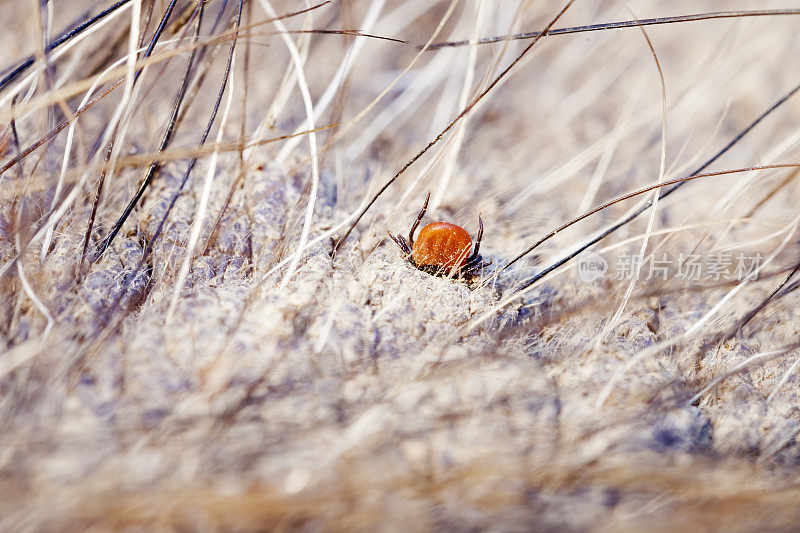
(358,396)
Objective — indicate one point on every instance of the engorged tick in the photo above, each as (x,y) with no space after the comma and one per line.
(442,249)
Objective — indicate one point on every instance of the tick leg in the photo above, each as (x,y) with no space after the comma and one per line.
(470,269)
(401,242)
(416,222)
(475,264)
(469,264)
(476,253)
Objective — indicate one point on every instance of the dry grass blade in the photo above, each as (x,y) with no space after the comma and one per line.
(15,72)
(634,23)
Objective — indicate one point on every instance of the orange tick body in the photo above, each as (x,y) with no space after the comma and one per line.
(442,245)
(442,249)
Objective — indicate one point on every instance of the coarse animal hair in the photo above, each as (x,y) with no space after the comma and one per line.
(204,323)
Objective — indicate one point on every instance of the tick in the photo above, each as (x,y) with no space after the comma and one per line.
(442,249)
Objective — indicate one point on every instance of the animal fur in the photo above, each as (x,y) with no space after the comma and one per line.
(359,392)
